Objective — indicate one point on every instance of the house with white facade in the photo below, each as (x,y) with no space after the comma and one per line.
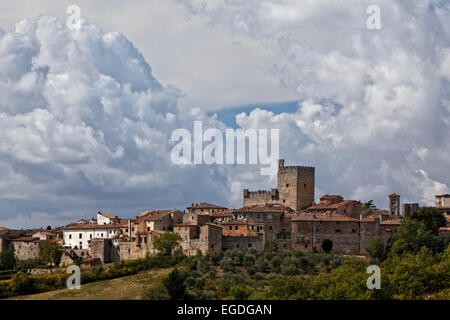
(106,218)
(80,235)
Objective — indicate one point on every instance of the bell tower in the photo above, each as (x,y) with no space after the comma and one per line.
(394,205)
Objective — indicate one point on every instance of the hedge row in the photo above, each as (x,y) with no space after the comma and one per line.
(21,283)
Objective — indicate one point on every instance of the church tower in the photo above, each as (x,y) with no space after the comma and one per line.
(394,205)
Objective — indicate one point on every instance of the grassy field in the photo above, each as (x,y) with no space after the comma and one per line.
(126,288)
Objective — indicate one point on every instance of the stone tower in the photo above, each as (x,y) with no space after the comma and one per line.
(394,205)
(295,189)
(295,185)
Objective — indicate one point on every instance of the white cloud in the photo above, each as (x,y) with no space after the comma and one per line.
(85,125)
(88,124)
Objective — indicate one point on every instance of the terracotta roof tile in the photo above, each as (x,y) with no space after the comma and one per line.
(205,205)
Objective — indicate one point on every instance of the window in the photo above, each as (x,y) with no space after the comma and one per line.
(102,234)
(249,245)
(231,227)
(80,236)
(270,227)
(148,228)
(212,246)
(237,246)
(126,230)
(251,216)
(353,230)
(273,216)
(81,245)
(245,216)
(258,216)
(132,229)
(287,185)
(90,236)
(264,216)
(70,236)
(338,230)
(236,227)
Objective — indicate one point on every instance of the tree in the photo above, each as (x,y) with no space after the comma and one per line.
(376,249)
(7,260)
(270,245)
(276,262)
(21,283)
(327,245)
(241,292)
(411,236)
(51,254)
(368,205)
(77,260)
(167,242)
(432,218)
(49,228)
(174,283)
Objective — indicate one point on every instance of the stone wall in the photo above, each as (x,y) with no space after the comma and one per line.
(308,235)
(26,250)
(408,209)
(295,188)
(260,197)
(367,231)
(244,243)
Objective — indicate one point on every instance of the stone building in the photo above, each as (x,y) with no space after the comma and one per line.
(243,242)
(408,209)
(26,247)
(295,188)
(159,220)
(309,231)
(374,213)
(206,208)
(241,228)
(443,204)
(205,238)
(394,205)
(336,205)
(274,219)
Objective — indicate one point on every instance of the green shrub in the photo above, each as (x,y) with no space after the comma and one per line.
(240,292)
(21,283)
(156,292)
(249,259)
(262,265)
(276,262)
(227,264)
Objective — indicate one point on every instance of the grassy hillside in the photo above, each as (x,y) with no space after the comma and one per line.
(129,288)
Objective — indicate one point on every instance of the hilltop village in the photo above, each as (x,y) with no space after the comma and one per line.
(286,215)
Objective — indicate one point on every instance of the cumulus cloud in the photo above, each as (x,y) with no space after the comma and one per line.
(374,112)
(86,126)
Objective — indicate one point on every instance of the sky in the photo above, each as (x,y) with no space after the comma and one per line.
(86,115)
